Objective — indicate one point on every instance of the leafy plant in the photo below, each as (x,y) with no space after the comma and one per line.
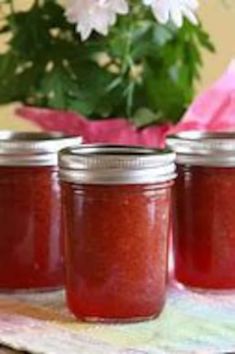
(142,70)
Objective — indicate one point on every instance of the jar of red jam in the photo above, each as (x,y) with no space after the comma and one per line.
(204,210)
(31,252)
(116,202)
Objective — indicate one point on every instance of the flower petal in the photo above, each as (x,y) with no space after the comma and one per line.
(96,15)
(160,10)
(192,4)
(175,10)
(119,6)
(190,16)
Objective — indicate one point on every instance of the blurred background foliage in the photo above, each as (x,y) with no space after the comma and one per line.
(142,70)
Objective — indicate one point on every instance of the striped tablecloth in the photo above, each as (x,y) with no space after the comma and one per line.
(190,323)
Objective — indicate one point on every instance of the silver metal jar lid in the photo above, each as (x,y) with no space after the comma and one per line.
(33,148)
(116,164)
(204,149)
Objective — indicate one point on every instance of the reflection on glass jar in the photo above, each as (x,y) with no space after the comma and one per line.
(116,204)
(204,210)
(31,245)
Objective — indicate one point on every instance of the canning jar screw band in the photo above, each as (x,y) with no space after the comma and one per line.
(116,164)
(33,148)
(204,149)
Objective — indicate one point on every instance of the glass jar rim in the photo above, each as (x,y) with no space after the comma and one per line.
(33,148)
(116,164)
(204,148)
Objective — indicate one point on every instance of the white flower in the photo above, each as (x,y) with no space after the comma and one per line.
(176,10)
(96,15)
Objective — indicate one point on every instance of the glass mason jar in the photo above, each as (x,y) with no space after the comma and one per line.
(31,254)
(204,210)
(116,202)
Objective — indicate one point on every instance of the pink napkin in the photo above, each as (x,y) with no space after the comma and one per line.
(213,110)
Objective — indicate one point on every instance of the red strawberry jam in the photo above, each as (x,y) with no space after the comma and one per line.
(204,210)
(205,227)
(31,245)
(117,229)
(30,228)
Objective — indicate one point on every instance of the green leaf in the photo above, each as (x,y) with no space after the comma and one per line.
(54,86)
(171,105)
(8,65)
(144,117)
(162,35)
(17,85)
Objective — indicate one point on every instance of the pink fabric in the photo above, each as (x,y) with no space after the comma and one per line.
(214,110)
(116,130)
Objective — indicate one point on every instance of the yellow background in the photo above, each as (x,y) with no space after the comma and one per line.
(218,20)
